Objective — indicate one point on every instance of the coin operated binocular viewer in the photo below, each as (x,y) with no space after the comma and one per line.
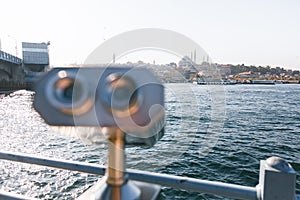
(126,104)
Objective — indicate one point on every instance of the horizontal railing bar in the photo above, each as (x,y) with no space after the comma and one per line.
(210,187)
(197,185)
(56,163)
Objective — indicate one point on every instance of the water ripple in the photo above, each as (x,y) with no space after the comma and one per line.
(260,121)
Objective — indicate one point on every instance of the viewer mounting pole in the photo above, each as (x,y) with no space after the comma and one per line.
(116,161)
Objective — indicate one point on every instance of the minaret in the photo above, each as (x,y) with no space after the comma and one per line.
(195,56)
(114,58)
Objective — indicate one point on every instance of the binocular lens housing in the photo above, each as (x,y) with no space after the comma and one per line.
(68,93)
(131,99)
(64,89)
(121,95)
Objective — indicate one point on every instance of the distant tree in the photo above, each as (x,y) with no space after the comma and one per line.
(253,68)
(296,72)
(247,69)
(262,70)
(234,69)
(172,64)
(272,71)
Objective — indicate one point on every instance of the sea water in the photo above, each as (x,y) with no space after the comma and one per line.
(217,133)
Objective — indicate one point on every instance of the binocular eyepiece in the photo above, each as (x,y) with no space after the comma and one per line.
(131,99)
(67,93)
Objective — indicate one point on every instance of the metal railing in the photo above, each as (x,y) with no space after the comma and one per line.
(10,58)
(185,183)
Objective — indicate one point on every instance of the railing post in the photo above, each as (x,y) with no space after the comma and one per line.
(277,180)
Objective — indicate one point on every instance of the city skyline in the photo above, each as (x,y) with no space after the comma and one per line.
(254,32)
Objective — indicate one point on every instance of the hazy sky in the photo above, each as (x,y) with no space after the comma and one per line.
(257,32)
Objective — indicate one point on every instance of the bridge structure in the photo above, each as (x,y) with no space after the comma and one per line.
(17,73)
(11,70)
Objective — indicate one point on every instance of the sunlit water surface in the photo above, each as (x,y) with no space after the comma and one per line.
(217,133)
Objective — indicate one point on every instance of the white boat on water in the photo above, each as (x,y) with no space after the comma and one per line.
(266,82)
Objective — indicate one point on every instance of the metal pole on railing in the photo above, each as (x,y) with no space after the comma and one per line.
(277,180)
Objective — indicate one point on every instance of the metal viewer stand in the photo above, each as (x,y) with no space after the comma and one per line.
(126,103)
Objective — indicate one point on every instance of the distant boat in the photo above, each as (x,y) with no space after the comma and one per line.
(266,82)
(216,82)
